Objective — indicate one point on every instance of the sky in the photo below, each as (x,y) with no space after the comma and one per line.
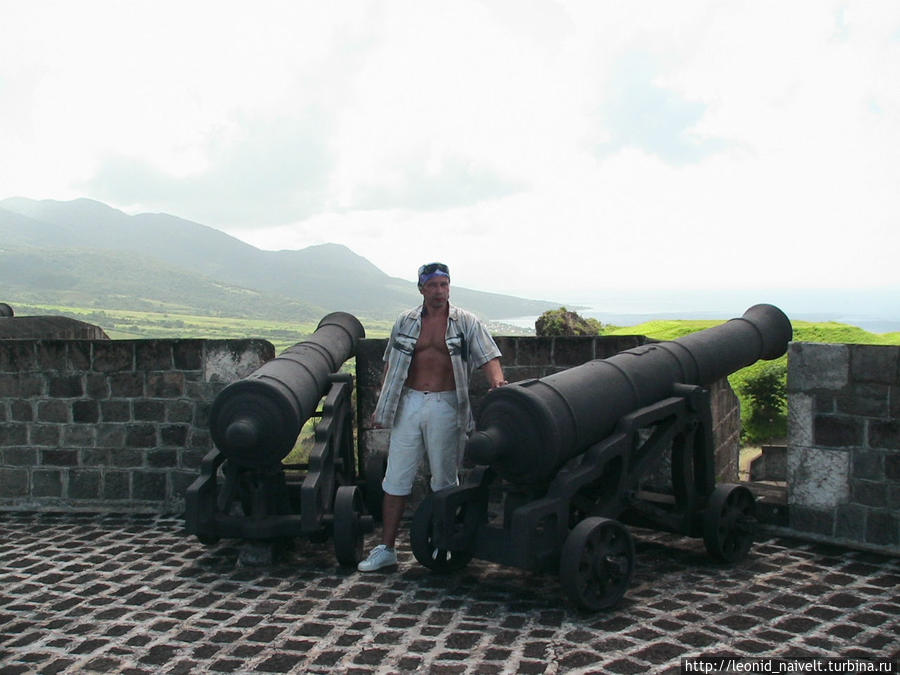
(551,149)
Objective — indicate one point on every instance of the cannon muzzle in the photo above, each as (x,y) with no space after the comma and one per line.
(256,420)
(526,431)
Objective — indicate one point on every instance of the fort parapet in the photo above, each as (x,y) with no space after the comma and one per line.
(122,425)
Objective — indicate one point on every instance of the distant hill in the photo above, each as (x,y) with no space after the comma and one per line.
(87,252)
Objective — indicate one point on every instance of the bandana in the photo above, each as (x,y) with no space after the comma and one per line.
(423,278)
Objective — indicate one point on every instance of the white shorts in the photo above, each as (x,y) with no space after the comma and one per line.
(425,425)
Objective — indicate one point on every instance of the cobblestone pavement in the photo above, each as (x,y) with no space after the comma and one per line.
(134,594)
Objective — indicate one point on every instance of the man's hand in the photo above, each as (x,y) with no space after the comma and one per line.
(494,374)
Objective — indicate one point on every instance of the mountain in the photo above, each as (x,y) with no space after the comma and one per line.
(87,252)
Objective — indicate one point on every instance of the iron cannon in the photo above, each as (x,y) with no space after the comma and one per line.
(570,453)
(245,490)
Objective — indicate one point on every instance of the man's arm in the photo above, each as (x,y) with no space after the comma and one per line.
(494,373)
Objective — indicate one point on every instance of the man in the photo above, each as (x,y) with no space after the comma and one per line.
(424,399)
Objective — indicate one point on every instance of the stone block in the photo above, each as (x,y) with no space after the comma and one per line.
(79,354)
(165,385)
(230,360)
(46,435)
(867,464)
(892,467)
(16,385)
(800,420)
(13,433)
(126,385)
(86,411)
(126,457)
(51,355)
(200,439)
(18,356)
(884,435)
(817,366)
(181,481)
(850,521)
(53,410)
(116,485)
(507,346)
(173,434)
(95,456)
(536,351)
(46,483)
(19,456)
(97,386)
(818,477)
(864,399)
(162,459)
(118,410)
(140,435)
(376,441)
(188,354)
(813,520)
(153,355)
(874,363)
(113,356)
(84,484)
(21,411)
(148,486)
(149,411)
(868,493)
(110,435)
(572,351)
(59,457)
(179,411)
(883,528)
(13,482)
(69,386)
(837,431)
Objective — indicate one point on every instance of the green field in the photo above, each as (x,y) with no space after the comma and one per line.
(129,325)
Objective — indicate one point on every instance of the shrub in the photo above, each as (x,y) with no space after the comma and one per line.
(763,391)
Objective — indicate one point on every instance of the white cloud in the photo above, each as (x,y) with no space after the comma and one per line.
(544,148)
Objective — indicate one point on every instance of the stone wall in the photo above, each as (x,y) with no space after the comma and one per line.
(530,357)
(111,425)
(843,460)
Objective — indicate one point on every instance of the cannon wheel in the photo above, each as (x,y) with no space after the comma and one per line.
(422,540)
(376,465)
(597,563)
(729,522)
(348,527)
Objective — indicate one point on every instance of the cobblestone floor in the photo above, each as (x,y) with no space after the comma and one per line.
(133,594)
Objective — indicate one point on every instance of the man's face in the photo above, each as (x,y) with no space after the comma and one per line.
(436,292)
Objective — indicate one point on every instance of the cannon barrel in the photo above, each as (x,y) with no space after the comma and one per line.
(527,430)
(255,421)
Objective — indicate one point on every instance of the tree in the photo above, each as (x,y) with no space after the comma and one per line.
(763,390)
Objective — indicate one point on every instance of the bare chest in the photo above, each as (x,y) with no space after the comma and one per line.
(432,336)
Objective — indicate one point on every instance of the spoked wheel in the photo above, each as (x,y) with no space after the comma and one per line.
(350,525)
(597,563)
(729,522)
(422,540)
(376,465)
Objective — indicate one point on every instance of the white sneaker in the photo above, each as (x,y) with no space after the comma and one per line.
(381,556)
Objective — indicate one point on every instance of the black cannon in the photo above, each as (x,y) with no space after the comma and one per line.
(245,490)
(570,453)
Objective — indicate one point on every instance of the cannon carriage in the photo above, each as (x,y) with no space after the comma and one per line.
(245,491)
(570,454)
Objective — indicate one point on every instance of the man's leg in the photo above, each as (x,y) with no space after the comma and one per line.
(391,513)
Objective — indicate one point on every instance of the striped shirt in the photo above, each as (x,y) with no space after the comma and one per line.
(470,346)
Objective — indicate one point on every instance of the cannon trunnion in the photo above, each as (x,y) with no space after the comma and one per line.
(245,490)
(572,453)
